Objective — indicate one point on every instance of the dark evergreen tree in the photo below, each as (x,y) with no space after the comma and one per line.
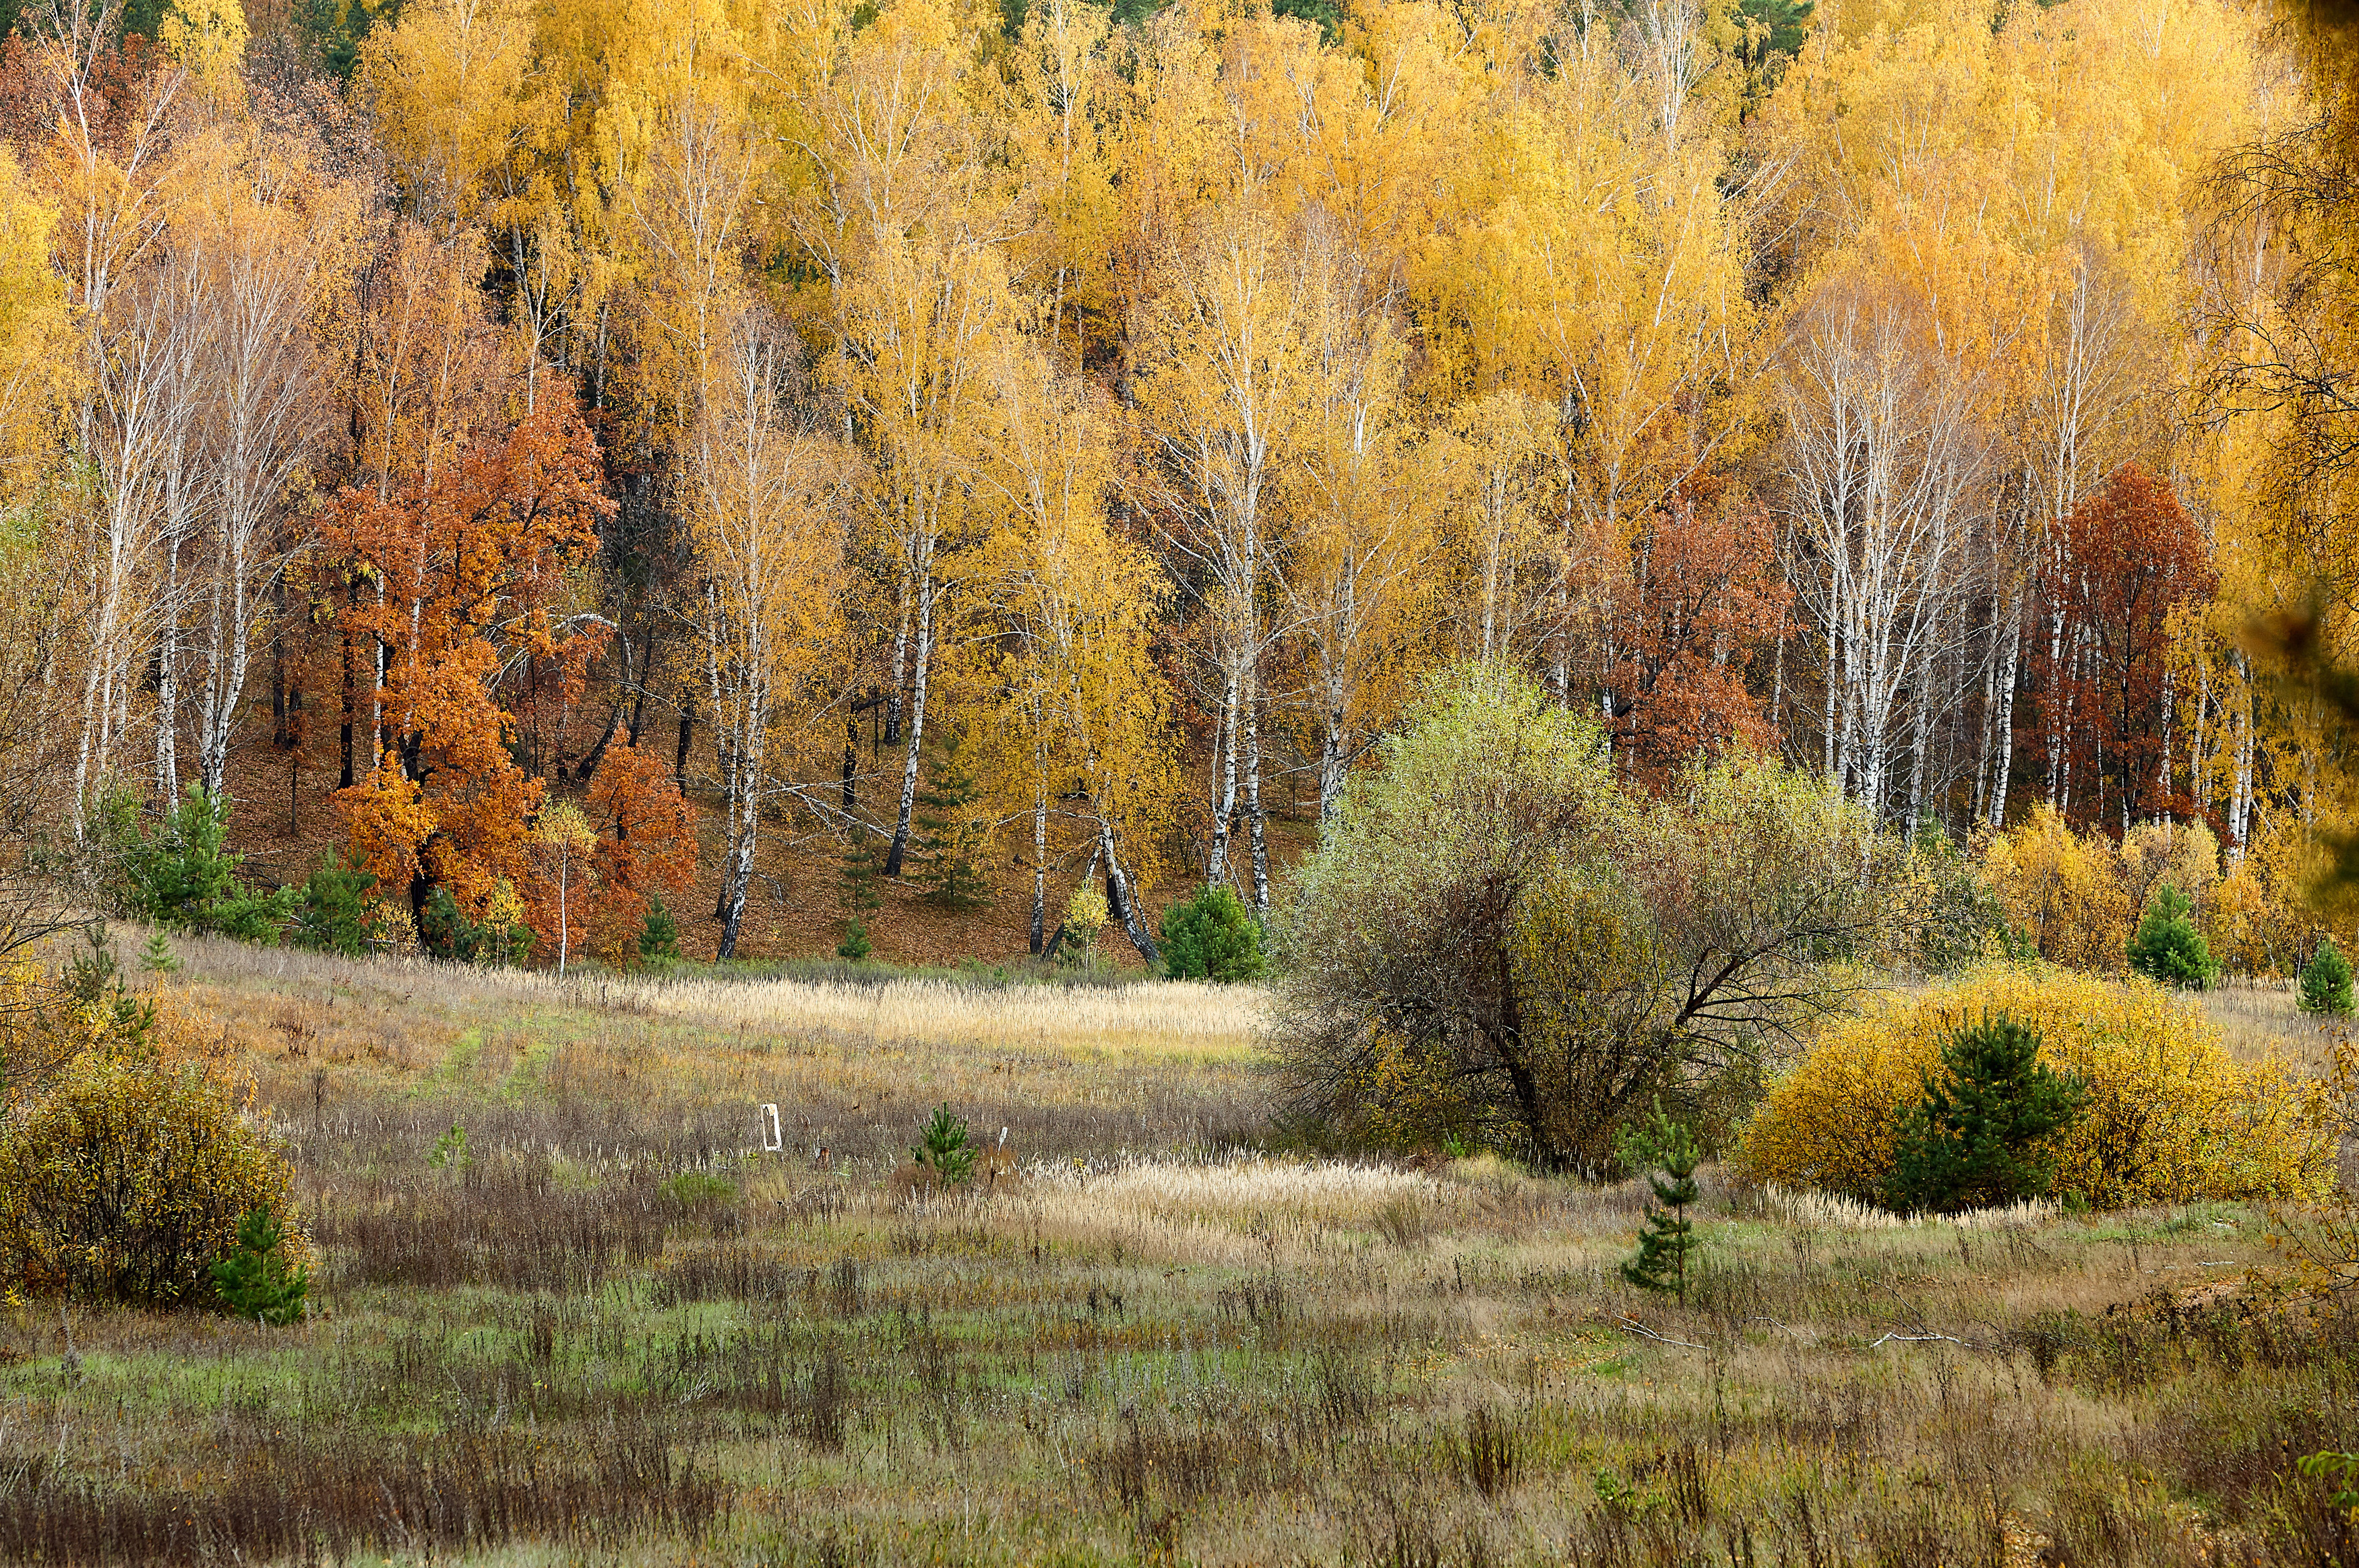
(333,914)
(2326,981)
(1666,1155)
(856,893)
(184,876)
(942,1148)
(1980,1140)
(658,934)
(2167,947)
(949,837)
(1212,936)
(256,1280)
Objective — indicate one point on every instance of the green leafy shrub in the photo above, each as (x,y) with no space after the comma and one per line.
(942,1148)
(2171,1116)
(2326,981)
(127,1182)
(1982,1137)
(1212,936)
(2167,947)
(259,1280)
(449,1150)
(1666,1155)
(331,915)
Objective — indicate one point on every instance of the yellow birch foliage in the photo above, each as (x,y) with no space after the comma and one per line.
(2169,1117)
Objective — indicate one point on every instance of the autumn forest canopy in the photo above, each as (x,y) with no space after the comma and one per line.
(1069,440)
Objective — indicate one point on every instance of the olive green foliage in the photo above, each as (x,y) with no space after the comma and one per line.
(2167,946)
(258,1279)
(127,1182)
(2326,981)
(449,1150)
(1984,1136)
(333,914)
(182,876)
(1666,1155)
(942,1148)
(1492,935)
(1212,936)
(157,957)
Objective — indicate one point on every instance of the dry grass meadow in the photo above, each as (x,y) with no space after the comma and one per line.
(618,1333)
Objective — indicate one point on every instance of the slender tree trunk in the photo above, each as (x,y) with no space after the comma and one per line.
(921,667)
(1123,906)
(1255,822)
(1040,853)
(1224,793)
(168,685)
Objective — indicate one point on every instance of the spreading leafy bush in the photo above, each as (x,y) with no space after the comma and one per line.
(260,1279)
(1212,936)
(1495,941)
(333,913)
(2167,947)
(182,876)
(2326,981)
(1982,1138)
(2169,1117)
(127,1182)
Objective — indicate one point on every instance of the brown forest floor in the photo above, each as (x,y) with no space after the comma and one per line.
(791,908)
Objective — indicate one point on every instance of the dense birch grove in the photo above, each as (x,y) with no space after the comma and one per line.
(413,412)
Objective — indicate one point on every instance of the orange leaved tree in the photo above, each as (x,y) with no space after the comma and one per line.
(470,580)
(647,845)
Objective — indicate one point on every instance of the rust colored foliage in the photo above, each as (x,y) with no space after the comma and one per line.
(1703,593)
(647,844)
(2121,563)
(465,584)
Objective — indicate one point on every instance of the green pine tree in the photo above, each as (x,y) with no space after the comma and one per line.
(2167,947)
(1980,1138)
(949,836)
(658,934)
(1667,1153)
(333,914)
(157,957)
(184,876)
(942,1148)
(256,1281)
(1212,936)
(2326,981)
(857,892)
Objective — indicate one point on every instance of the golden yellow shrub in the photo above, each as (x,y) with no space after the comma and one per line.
(126,1180)
(2067,892)
(2170,1117)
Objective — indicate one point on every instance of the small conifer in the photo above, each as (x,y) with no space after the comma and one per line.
(2326,981)
(1978,1140)
(1667,1153)
(256,1280)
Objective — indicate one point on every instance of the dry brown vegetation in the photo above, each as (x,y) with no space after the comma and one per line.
(619,1334)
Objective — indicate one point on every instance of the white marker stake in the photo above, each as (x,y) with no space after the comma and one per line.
(772,1139)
